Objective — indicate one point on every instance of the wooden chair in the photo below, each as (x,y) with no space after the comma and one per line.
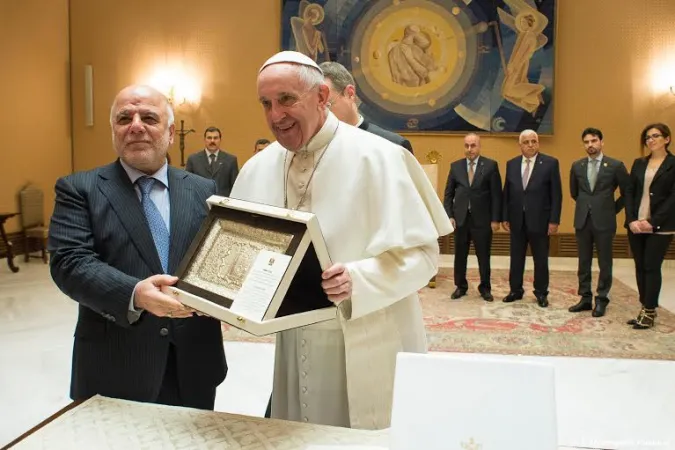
(31,207)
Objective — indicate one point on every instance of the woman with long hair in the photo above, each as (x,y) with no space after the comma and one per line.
(650,217)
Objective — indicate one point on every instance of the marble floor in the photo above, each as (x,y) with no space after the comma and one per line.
(602,403)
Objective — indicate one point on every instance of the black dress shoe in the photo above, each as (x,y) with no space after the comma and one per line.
(512,297)
(487,296)
(600,308)
(585,304)
(458,293)
(542,301)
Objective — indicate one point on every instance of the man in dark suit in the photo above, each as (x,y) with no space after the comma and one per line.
(593,182)
(473,200)
(531,210)
(116,235)
(214,163)
(343,102)
(260,145)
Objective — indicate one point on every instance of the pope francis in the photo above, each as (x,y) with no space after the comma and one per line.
(381,220)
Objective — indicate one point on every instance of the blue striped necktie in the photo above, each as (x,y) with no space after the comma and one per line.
(160,233)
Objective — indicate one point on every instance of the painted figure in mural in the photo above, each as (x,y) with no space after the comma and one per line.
(308,39)
(528,23)
(410,60)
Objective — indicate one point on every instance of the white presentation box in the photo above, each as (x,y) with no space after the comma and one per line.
(256,267)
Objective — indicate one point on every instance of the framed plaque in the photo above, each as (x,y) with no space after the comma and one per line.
(256,267)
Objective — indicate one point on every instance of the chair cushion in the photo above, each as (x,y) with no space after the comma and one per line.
(37,232)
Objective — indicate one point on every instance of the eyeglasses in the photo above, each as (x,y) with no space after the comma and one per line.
(331,101)
(653,136)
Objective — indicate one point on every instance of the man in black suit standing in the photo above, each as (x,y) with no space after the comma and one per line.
(473,200)
(593,181)
(260,145)
(343,102)
(116,235)
(214,163)
(531,210)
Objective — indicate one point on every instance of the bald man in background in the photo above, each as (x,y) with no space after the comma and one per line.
(473,201)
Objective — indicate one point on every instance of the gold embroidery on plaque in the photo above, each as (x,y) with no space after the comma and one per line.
(227,253)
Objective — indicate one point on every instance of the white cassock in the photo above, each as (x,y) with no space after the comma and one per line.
(380,217)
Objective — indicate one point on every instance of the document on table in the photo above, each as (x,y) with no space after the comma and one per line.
(260,285)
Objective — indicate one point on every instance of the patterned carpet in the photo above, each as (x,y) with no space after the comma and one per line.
(473,325)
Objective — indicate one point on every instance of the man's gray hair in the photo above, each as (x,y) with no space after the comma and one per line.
(169,113)
(338,75)
(525,133)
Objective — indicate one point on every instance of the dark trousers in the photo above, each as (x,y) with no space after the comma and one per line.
(200,397)
(539,245)
(481,237)
(649,250)
(587,237)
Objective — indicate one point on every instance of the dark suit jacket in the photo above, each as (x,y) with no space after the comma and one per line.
(388,135)
(661,194)
(101,246)
(484,194)
(539,204)
(224,174)
(599,202)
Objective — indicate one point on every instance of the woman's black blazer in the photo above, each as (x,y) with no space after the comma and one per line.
(661,192)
